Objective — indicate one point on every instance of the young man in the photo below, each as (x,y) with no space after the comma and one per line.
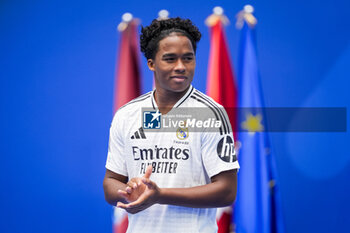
(190,173)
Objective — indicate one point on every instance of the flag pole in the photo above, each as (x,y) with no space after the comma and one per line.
(218,14)
(246,15)
(127,18)
(163,14)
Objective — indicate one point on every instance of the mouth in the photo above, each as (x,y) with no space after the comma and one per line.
(179,78)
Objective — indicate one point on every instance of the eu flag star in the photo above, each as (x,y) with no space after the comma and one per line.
(253,123)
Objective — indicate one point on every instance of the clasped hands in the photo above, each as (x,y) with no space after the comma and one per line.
(140,193)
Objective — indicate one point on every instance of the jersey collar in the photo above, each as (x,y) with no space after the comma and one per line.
(178,103)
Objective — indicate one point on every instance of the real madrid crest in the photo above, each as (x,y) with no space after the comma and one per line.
(182,133)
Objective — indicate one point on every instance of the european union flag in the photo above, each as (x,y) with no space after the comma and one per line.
(257,209)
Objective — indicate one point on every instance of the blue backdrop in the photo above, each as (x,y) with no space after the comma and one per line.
(57,75)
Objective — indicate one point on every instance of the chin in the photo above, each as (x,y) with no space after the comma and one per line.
(180,88)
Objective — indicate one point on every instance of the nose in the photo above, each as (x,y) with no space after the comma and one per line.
(180,67)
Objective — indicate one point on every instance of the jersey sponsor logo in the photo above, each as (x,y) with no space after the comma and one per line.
(182,133)
(151,120)
(139,134)
(162,159)
(159,167)
(163,153)
(226,150)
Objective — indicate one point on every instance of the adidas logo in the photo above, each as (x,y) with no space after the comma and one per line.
(139,134)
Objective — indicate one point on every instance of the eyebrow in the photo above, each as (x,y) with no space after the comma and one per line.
(174,54)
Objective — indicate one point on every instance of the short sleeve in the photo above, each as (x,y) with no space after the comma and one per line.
(115,158)
(217,148)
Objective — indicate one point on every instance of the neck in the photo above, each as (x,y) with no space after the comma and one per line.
(167,99)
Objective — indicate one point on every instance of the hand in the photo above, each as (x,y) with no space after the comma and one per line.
(147,197)
(135,187)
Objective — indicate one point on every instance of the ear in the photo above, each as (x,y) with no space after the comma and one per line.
(150,64)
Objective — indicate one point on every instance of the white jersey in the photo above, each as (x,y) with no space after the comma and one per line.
(179,159)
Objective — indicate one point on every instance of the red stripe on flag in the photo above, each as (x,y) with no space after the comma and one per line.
(220,82)
(221,87)
(127,86)
(128,75)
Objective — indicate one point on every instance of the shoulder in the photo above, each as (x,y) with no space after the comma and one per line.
(136,102)
(131,108)
(209,108)
(201,99)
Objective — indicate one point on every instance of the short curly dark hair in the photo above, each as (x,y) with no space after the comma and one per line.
(159,29)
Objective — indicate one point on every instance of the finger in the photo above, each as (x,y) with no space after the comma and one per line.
(136,203)
(148,182)
(132,184)
(123,194)
(128,190)
(148,172)
(130,208)
(121,205)
(138,208)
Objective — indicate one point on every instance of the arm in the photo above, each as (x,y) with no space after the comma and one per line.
(113,182)
(220,192)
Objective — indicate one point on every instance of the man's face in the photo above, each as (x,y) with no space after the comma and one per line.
(174,63)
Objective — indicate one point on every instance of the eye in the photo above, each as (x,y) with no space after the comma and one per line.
(188,58)
(169,59)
